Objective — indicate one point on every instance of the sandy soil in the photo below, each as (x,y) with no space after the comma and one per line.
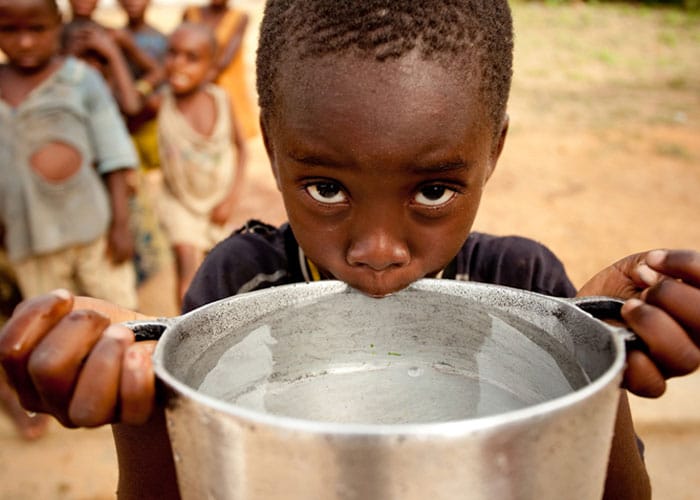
(601,161)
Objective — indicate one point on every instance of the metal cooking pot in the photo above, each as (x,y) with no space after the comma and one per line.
(444,390)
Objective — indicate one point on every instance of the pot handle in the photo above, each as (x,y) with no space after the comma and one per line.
(150,329)
(608,308)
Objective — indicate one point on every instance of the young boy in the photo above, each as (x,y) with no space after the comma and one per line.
(229,25)
(62,228)
(57,122)
(383,121)
(203,153)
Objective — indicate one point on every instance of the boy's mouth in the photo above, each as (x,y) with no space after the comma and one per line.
(179,80)
(377,285)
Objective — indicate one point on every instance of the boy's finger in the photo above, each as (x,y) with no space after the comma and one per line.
(56,362)
(642,377)
(32,320)
(679,264)
(115,313)
(668,345)
(137,387)
(681,301)
(96,394)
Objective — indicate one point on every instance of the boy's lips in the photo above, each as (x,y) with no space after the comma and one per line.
(377,284)
(178,79)
(29,63)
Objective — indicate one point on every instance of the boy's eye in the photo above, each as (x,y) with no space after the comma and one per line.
(433,196)
(326,192)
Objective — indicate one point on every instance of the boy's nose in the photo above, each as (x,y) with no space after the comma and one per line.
(26,40)
(378,248)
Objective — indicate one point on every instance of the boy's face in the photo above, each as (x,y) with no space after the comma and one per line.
(381,166)
(188,62)
(83,8)
(29,33)
(134,9)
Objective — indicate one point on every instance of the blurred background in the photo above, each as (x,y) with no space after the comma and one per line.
(602,160)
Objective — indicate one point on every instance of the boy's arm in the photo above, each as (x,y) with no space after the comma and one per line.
(233,45)
(120,240)
(223,211)
(152,70)
(124,89)
(627,476)
(145,459)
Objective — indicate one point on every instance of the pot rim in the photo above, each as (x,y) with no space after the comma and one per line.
(453,428)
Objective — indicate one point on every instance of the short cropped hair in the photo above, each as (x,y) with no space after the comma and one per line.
(203,30)
(53,8)
(471,37)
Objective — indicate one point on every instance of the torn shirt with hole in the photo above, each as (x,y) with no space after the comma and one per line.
(56,145)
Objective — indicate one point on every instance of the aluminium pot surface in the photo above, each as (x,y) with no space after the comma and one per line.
(443,390)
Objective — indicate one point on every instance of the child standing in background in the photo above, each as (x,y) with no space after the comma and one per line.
(148,75)
(146,37)
(146,64)
(203,154)
(81,13)
(61,225)
(229,25)
(58,122)
(85,38)
(130,59)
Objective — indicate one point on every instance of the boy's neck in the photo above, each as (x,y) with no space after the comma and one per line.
(218,8)
(137,24)
(17,83)
(188,97)
(78,17)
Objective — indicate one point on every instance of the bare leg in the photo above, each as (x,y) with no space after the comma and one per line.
(187,260)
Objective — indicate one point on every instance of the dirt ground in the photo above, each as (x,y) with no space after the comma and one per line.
(602,160)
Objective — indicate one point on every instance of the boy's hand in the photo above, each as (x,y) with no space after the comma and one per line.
(663,309)
(72,364)
(120,243)
(222,212)
(99,40)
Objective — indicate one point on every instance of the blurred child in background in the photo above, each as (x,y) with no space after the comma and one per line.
(229,25)
(81,14)
(203,154)
(148,75)
(65,155)
(145,48)
(130,60)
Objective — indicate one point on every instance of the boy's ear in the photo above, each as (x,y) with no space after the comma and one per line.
(264,129)
(498,145)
